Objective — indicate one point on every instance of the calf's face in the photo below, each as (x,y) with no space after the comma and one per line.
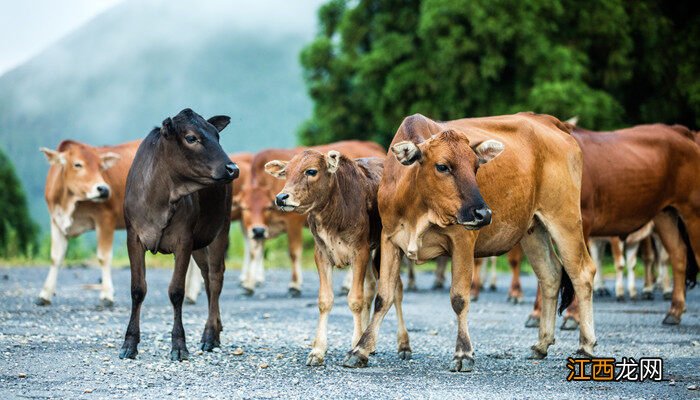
(256,206)
(192,148)
(446,176)
(308,177)
(81,170)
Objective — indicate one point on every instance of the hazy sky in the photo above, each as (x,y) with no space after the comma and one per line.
(29,26)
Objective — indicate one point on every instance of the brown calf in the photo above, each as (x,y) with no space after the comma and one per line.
(262,220)
(432,202)
(339,195)
(85,191)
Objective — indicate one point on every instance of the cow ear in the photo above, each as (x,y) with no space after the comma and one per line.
(107,160)
(332,160)
(488,150)
(167,130)
(53,156)
(219,121)
(407,152)
(277,168)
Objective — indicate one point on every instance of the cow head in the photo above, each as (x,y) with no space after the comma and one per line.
(256,205)
(81,169)
(192,150)
(308,177)
(446,176)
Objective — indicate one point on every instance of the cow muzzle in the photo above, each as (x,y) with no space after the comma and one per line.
(99,192)
(258,233)
(284,202)
(474,218)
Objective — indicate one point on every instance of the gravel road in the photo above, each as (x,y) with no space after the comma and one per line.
(69,349)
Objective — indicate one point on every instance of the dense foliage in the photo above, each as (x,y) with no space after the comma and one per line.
(18,233)
(610,62)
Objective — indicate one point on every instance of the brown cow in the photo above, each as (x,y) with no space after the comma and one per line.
(261,219)
(340,197)
(636,175)
(85,191)
(430,202)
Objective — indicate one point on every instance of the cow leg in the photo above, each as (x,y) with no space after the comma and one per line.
(515,293)
(59,245)
(596,248)
(356,296)
(440,267)
(537,248)
(476,278)
(347,283)
(493,277)
(246,257)
(568,235)
(295,248)
(193,283)
(325,304)
(388,280)
(176,293)
(631,262)
(138,294)
(410,265)
(533,320)
(463,264)
(649,266)
(257,256)
(216,253)
(369,292)
(667,227)
(664,279)
(105,237)
(404,347)
(617,249)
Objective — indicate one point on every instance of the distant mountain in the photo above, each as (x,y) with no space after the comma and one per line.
(122,73)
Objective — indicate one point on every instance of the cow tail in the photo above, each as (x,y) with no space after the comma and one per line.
(691,269)
(567,291)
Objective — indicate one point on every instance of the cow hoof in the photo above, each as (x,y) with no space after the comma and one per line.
(532,322)
(405,354)
(462,364)
(42,302)
(634,297)
(671,320)
(294,292)
(179,355)
(620,299)
(314,360)
(601,292)
(584,353)
(648,296)
(411,287)
(248,292)
(106,303)
(668,296)
(475,298)
(128,352)
(537,354)
(355,360)
(209,345)
(492,287)
(515,299)
(438,285)
(569,324)
(189,301)
(344,291)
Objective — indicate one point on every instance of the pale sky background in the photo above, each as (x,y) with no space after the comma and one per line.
(29,26)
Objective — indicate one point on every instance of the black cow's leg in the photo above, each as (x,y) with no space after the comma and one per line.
(176,292)
(138,293)
(216,254)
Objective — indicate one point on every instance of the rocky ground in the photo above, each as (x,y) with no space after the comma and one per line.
(69,349)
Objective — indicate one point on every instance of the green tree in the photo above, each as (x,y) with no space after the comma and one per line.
(18,233)
(610,62)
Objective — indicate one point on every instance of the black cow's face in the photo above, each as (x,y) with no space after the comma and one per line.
(193,148)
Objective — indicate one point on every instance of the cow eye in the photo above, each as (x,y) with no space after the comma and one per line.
(191,139)
(78,165)
(311,172)
(442,167)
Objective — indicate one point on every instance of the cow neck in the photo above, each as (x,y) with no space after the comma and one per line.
(340,209)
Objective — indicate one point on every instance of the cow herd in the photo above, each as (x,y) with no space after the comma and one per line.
(460,191)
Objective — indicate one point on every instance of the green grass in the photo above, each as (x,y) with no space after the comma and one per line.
(81,251)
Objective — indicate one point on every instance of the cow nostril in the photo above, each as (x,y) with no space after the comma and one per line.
(103,191)
(482,214)
(281,198)
(232,170)
(258,232)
